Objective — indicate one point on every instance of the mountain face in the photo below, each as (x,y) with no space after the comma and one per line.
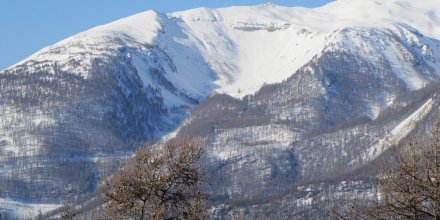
(292,103)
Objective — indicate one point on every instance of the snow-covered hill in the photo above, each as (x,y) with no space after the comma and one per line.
(303,92)
(238,49)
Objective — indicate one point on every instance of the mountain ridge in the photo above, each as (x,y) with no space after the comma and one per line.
(261,16)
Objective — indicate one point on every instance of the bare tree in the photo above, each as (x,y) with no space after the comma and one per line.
(67,212)
(238,215)
(350,211)
(161,183)
(410,190)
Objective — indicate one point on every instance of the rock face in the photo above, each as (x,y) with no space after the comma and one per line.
(283,97)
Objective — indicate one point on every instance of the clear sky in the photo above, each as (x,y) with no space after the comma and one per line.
(27,26)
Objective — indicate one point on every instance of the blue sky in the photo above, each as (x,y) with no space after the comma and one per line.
(29,25)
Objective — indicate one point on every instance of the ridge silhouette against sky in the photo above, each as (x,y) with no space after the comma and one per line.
(27,25)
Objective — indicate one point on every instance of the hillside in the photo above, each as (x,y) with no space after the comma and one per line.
(283,97)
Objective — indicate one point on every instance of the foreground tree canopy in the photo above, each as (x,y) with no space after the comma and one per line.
(410,190)
(160,183)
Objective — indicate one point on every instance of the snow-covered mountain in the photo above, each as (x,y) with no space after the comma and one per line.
(241,48)
(282,96)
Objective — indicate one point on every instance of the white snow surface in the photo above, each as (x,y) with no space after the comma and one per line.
(27,210)
(395,135)
(238,49)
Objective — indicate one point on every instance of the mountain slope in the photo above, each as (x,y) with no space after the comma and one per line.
(248,46)
(282,96)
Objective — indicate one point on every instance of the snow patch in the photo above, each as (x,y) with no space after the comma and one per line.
(397,133)
(27,210)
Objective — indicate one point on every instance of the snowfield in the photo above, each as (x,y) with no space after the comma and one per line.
(236,50)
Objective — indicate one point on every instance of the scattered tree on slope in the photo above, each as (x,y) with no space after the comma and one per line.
(410,190)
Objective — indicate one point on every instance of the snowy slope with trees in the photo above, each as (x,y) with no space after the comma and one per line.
(282,96)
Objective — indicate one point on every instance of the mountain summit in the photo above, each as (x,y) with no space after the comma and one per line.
(241,48)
